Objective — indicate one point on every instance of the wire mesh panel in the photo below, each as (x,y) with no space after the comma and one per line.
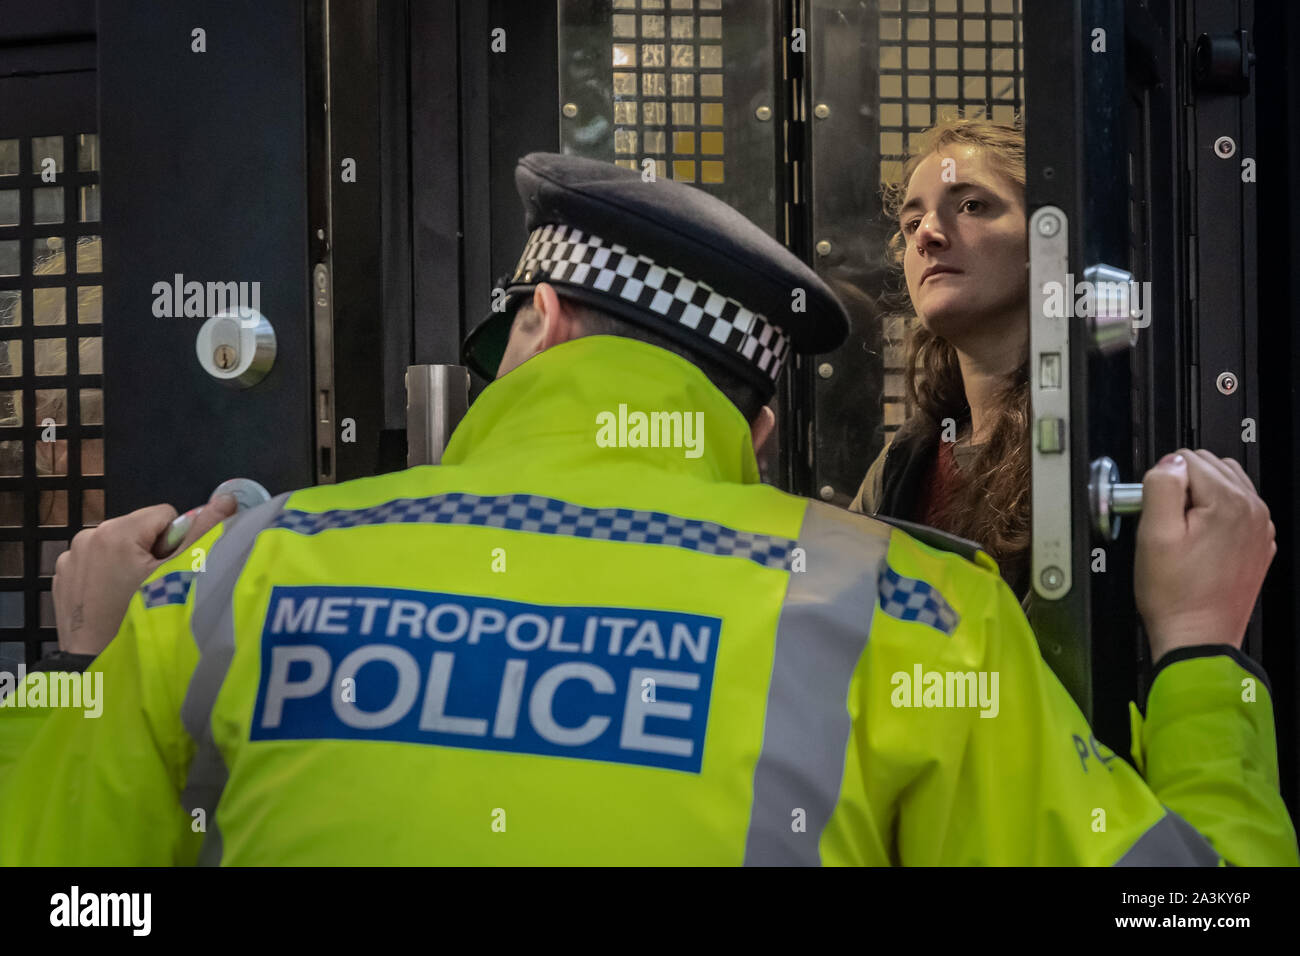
(681,88)
(51,365)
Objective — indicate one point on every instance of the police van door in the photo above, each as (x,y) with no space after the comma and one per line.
(1140,133)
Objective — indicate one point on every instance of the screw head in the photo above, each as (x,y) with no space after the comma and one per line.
(1049,225)
(826,370)
(1226,383)
(821,111)
(824,247)
(224,357)
(570,110)
(827,492)
(764,113)
(1225,147)
(1053,577)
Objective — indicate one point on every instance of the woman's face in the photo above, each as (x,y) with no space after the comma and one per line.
(965,216)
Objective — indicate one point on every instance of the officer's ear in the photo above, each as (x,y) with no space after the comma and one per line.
(538,325)
(761,427)
(557,318)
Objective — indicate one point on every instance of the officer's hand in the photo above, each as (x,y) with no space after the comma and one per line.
(1203,545)
(95,578)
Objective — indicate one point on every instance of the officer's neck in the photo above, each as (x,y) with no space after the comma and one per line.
(608,400)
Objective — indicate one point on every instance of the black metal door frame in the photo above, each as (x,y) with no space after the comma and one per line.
(1276,38)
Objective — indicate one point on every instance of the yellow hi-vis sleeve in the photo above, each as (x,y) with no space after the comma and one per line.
(1018,777)
(105,790)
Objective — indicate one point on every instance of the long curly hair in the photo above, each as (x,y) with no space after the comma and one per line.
(992,506)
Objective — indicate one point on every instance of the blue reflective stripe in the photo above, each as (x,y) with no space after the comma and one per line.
(911,600)
(171,588)
(541,515)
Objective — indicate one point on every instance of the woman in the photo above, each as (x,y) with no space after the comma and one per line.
(960,463)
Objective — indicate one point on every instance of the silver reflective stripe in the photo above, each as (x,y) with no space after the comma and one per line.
(820,637)
(213,625)
(1171,842)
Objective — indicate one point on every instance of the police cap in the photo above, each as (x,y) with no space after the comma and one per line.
(668,257)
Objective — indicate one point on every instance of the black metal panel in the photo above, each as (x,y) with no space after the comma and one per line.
(1221,201)
(395,211)
(1222,227)
(25,23)
(501,119)
(1054,146)
(791,467)
(1107,224)
(1277,33)
(521,115)
(471,119)
(1159,416)
(204,177)
(437,195)
(847,236)
(476,173)
(1156,138)
(361,323)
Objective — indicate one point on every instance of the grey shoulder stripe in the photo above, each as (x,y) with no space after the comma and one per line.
(820,637)
(213,625)
(1171,842)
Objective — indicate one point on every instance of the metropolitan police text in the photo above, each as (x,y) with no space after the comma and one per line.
(593,682)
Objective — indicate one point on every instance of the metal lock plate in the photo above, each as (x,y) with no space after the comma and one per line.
(1049,341)
(235,350)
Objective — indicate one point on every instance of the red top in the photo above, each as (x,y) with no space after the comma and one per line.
(940,485)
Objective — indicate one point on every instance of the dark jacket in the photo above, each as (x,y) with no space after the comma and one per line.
(894,483)
(896,478)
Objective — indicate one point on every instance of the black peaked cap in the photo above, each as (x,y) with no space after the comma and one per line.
(690,267)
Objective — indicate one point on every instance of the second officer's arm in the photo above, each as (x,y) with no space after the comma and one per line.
(1021,779)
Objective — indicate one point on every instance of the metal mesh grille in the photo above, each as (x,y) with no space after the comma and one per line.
(667,82)
(51,365)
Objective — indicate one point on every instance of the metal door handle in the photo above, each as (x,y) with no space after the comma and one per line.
(247,494)
(1109,498)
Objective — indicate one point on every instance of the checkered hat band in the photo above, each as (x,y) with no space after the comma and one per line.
(909,599)
(171,588)
(561,253)
(540,515)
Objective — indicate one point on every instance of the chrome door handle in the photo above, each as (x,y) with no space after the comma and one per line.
(1109,498)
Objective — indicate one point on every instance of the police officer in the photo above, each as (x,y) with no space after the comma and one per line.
(592,635)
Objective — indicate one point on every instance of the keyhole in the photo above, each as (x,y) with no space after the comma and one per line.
(224,356)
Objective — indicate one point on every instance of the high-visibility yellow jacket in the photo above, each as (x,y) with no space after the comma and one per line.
(561,646)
